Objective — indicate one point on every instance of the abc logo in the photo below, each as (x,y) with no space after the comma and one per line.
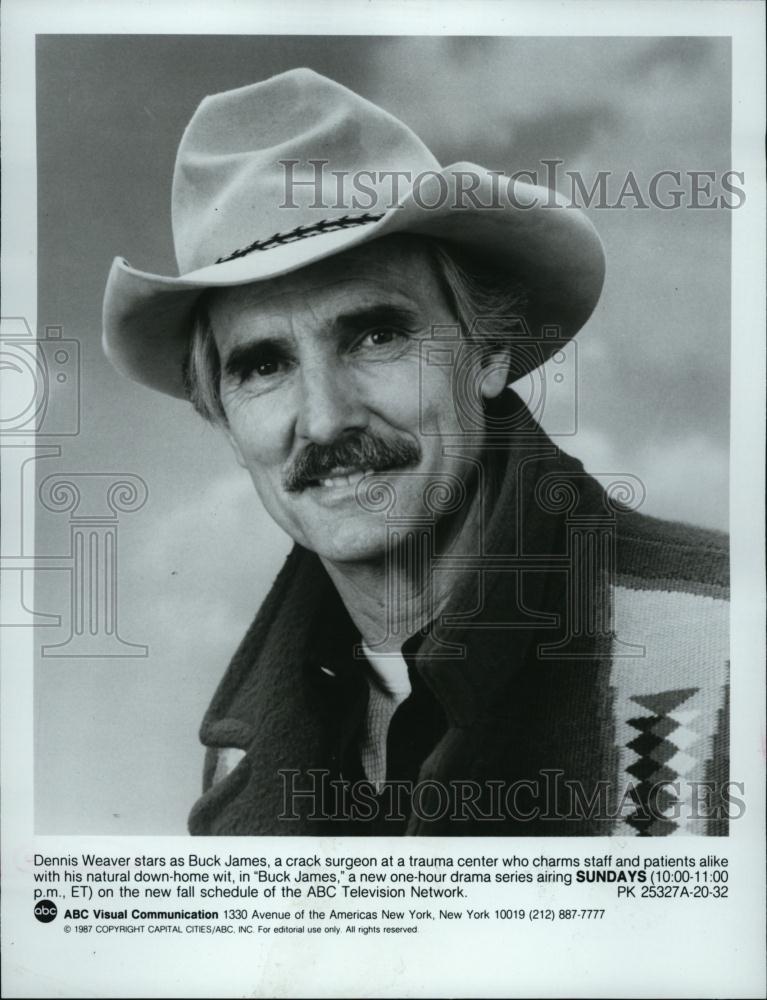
(45,911)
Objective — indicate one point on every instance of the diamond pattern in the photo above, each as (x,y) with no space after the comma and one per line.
(685,738)
(662,750)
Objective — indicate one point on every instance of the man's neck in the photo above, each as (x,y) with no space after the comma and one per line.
(393,598)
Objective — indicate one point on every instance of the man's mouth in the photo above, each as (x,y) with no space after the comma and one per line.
(341,478)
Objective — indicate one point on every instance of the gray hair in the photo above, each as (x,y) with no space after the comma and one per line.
(485,302)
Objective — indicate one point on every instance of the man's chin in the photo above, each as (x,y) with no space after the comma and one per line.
(351,547)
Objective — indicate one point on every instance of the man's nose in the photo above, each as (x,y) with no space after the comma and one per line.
(328,404)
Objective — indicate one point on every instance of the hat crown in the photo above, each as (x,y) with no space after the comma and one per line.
(244,169)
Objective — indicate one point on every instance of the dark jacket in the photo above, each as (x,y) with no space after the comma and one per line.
(585,693)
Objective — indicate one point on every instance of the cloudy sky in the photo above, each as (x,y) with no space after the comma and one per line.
(116,747)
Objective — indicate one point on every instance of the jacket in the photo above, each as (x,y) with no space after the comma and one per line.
(577,683)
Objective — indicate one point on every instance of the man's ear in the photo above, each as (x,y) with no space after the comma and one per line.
(235,447)
(494,374)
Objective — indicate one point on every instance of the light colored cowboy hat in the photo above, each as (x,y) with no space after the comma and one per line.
(237,218)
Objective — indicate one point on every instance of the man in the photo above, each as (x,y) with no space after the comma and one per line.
(471,636)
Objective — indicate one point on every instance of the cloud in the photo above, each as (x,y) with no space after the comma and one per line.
(684,481)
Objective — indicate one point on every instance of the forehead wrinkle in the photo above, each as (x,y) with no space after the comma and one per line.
(278,324)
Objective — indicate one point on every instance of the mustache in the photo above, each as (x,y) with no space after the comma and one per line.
(363,451)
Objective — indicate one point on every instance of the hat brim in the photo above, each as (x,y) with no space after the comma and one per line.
(553,250)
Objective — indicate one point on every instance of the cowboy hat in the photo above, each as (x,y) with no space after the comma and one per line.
(272,177)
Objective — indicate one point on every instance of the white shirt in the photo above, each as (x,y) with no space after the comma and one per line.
(389,685)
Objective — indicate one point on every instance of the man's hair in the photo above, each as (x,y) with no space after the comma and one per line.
(485,301)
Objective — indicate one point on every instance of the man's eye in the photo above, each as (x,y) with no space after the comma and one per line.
(381,336)
(264,368)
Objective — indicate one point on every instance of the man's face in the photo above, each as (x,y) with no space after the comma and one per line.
(323,381)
